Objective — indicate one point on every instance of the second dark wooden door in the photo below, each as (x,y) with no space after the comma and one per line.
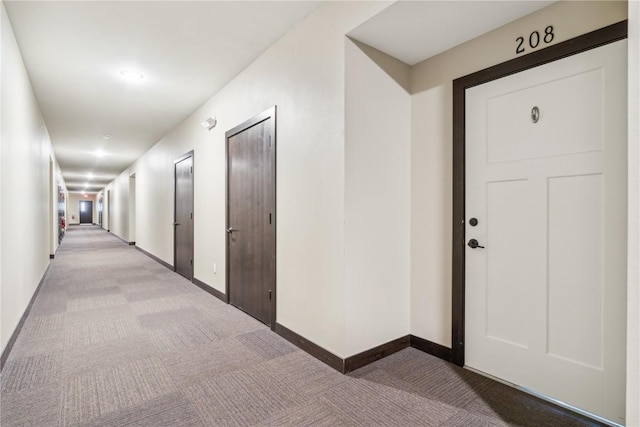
(183,223)
(251,217)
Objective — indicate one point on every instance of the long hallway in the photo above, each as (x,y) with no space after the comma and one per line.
(114,338)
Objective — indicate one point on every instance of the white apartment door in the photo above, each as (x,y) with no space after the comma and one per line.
(546,270)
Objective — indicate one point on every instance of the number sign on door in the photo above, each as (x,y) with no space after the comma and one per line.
(534,40)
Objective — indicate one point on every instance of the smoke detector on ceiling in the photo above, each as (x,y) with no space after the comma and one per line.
(209,123)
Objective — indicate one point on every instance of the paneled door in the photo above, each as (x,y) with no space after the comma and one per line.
(183,223)
(86,212)
(251,226)
(546,229)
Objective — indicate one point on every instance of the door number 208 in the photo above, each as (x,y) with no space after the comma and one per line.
(535,38)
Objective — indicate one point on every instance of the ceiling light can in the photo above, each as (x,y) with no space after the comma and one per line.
(131,75)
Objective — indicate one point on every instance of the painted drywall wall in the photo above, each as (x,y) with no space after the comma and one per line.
(73,210)
(394,68)
(116,206)
(377,203)
(154,198)
(431,187)
(633,251)
(303,75)
(25,187)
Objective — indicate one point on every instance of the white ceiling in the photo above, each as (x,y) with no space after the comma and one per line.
(413,31)
(187,51)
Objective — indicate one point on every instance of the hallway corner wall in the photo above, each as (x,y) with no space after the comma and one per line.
(25,208)
(116,216)
(377,202)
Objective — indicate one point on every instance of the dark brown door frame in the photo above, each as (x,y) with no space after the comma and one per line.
(561,50)
(175,201)
(266,115)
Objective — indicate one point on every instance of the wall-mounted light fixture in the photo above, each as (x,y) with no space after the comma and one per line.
(209,123)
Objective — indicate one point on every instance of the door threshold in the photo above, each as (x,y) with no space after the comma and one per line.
(546,398)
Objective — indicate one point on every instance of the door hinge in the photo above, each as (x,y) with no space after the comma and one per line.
(191,261)
(269,294)
(269,218)
(191,169)
(191,215)
(269,140)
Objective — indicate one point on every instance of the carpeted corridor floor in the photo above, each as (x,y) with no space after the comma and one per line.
(116,339)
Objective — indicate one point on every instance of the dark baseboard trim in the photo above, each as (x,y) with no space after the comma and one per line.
(208,289)
(52,256)
(339,364)
(359,360)
(431,348)
(315,350)
(16,332)
(155,258)
(123,240)
(132,243)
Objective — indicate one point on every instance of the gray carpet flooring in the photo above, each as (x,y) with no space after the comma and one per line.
(116,339)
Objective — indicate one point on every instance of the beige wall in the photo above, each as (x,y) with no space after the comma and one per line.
(73,211)
(431,167)
(633,279)
(25,187)
(376,203)
(116,218)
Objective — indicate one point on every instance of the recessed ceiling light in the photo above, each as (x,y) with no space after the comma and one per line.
(89,175)
(131,75)
(99,153)
(106,136)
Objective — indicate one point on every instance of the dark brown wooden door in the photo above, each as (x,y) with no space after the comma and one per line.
(251,230)
(183,223)
(109,211)
(86,212)
(100,206)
